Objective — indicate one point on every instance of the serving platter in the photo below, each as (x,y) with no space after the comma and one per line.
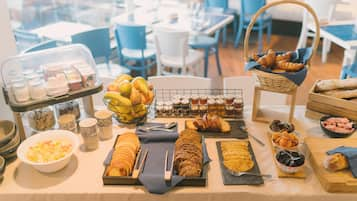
(129,180)
(237,131)
(229,179)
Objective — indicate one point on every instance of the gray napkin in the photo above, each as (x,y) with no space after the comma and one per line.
(156,136)
(351,154)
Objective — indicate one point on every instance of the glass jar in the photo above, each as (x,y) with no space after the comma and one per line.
(159,108)
(41,119)
(177,106)
(70,107)
(37,89)
(88,129)
(228,99)
(194,105)
(68,122)
(238,107)
(211,106)
(220,109)
(185,107)
(105,124)
(21,92)
(168,109)
(203,100)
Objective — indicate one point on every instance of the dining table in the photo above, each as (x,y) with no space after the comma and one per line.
(82,178)
(61,30)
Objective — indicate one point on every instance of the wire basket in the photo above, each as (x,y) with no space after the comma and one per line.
(188,103)
(271,81)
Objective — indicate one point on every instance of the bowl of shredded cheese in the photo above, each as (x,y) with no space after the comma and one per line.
(48,151)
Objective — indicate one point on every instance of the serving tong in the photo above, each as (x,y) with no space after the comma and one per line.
(138,168)
(168,127)
(168,172)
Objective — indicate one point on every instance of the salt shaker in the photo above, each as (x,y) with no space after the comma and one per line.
(88,129)
(105,124)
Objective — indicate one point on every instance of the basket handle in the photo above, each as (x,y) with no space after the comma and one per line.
(264,8)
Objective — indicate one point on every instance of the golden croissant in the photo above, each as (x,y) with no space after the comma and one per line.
(283,57)
(267,60)
(290,66)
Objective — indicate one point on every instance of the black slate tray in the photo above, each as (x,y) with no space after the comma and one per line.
(128,180)
(228,179)
(236,131)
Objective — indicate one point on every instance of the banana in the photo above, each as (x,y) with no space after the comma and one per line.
(123,77)
(149,97)
(125,117)
(140,84)
(123,109)
(138,108)
(122,101)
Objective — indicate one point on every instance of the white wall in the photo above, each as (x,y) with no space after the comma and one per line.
(7,48)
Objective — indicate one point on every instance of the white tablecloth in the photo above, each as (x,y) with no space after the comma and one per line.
(82,179)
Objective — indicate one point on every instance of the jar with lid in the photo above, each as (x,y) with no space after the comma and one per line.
(88,129)
(37,89)
(238,106)
(177,106)
(21,91)
(41,119)
(70,107)
(194,105)
(104,123)
(185,107)
(159,108)
(168,109)
(68,122)
(220,109)
(211,105)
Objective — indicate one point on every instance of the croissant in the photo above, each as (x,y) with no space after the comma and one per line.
(255,57)
(335,162)
(283,57)
(290,66)
(267,60)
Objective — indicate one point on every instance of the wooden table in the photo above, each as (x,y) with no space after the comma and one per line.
(62,30)
(81,180)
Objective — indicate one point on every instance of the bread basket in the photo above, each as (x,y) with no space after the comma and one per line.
(272,81)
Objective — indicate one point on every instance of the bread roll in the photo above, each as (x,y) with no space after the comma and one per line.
(341,93)
(328,85)
(335,162)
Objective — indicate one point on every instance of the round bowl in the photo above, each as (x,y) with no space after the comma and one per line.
(8,131)
(287,169)
(51,166)
(334,134)
(279,147)
(280,122)
(10,151)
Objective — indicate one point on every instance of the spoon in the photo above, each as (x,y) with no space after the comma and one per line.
(165,127)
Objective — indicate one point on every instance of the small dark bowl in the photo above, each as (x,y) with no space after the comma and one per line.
(333,134)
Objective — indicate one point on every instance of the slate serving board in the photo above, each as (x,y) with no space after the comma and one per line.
(236,131)
(128,180)
(229,179)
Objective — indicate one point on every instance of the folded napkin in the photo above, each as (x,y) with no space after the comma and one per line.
(152,176)
(351,154)
(156,136)
(301,55)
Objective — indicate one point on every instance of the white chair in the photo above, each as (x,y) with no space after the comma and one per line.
(173,51)
(325,10)
(247,83)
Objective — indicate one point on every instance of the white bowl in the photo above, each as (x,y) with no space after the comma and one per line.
(51,166)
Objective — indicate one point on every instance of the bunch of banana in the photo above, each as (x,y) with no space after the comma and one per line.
(128,97)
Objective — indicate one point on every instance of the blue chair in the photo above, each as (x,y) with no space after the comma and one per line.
(98,42)
(41,46)
(225,6)
(349,71)
(210,46)
(248,9)
(25,39)
(131,42)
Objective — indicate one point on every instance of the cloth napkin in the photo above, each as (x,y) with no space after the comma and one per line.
(301,55)
(156,136)
(351,154)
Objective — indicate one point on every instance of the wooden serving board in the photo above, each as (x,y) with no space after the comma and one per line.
(341,181)
(299,175)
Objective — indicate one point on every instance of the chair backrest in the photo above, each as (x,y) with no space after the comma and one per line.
(247,83)
(97,40)
(250,7)
(324,9)
(216,3)
(41,46)
(25,39)
(131,36)
(180,82)
(171,43)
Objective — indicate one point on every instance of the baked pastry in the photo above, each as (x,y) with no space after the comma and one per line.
(124,155)
(328,85)
(236,156)
(289,66)
(285,140)
(209,122)
(188,159)
(283,57)
(267,60)
(335,162)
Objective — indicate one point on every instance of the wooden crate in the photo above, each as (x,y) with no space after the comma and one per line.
(329,105)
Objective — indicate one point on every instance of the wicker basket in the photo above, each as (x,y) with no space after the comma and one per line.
(271,81)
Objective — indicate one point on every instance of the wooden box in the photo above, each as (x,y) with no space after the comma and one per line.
(328,105)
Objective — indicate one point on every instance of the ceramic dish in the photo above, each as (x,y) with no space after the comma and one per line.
(293,168)
(280,147)
(54,165)
(7,132)
(334,134)
(14,142)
